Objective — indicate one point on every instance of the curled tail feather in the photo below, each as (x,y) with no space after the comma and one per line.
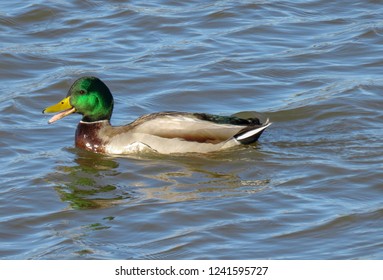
(251,133)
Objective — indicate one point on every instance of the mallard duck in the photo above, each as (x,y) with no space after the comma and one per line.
(165,132)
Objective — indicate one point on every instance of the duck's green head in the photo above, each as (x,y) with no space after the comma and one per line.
(88,96)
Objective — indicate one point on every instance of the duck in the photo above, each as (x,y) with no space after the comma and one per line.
(164,132)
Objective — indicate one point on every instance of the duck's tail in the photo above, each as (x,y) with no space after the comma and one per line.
(251,133)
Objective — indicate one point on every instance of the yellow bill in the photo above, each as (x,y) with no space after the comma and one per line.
(64,107)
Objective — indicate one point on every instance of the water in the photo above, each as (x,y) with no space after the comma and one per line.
(311,188)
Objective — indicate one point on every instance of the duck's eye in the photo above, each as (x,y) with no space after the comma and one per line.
(82,91)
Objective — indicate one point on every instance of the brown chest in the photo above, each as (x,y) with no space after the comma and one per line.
(87,137)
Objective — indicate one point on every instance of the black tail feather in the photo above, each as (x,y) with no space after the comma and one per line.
(251,134)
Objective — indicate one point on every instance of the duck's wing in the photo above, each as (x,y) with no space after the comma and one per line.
(174,132)
(197,127)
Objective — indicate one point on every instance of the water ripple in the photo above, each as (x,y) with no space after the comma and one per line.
(313,181)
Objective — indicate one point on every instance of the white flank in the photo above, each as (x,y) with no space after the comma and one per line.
(133,148)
